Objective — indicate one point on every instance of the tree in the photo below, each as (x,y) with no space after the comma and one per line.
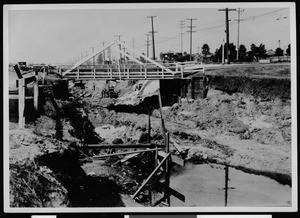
(278,52)
(242,53)
(288,50)
(258,52)
(262,51)
(205,50)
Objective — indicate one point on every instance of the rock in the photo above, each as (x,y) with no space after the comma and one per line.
(239,127)
(246,135)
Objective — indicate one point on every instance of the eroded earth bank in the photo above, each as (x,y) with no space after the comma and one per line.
(247,129)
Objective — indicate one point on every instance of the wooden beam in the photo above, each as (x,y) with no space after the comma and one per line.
(18,71)
(21,103)
(174,158)
(121,153)
(28,75)
(149,177)
(36,93)
(121,146)
(167,182)
(87,58)
(161,115)
(146,58)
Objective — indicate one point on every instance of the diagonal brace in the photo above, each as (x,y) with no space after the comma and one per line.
(149,177)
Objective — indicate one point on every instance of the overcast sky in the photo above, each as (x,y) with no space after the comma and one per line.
(58,35)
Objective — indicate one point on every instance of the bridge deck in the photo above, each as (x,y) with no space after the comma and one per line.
(131,72)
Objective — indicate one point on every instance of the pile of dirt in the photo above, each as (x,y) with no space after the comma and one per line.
(32,184)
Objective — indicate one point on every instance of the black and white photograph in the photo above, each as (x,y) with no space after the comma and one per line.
(150,107)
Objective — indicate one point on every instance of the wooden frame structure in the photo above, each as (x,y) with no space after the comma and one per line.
(21,93)
(164,164)
(152,70)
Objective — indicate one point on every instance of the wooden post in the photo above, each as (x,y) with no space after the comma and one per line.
(21,103)
(161,114)
(167,182)
(44,75)
(149,126)
(149,177)
(94,73)
(77,73)
(60,71)
(36,93)
(226,184)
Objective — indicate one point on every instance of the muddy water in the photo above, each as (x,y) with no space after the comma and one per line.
(203,185)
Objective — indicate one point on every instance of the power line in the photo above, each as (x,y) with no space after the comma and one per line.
(191,31)
(152,32)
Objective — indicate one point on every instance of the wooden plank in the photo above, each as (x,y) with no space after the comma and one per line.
(21,102)
(18,72)
(176,145)
(36,93)
(128,157)
(161,115)
(121,146)
(174,158)
(122,153)
(28,75)
(167,182)
(149,177)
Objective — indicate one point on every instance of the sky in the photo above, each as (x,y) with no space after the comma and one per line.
(58,35)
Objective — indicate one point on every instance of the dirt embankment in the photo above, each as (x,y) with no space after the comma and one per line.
(44,161)
(242,122)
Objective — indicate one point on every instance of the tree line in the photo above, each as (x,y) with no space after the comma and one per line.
(254,54)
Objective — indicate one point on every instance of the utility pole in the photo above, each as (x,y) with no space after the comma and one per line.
(227,31)
(152,32)
(191,31)
(147,44)
(124,50)
(86,54)
(238,33)
(93,57)
(119,36)
(223,51)
(133,43)
(181,25)
(279,43)
(103,44)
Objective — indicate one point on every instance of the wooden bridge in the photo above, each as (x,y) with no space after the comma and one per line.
(134,69)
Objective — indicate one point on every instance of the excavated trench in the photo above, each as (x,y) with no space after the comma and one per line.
(201,180)
(266,89)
